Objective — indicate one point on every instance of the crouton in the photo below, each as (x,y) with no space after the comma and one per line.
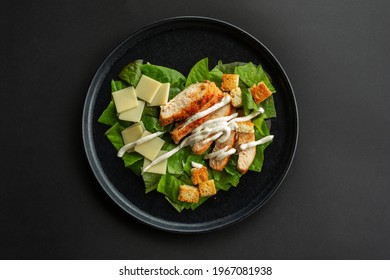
(260,92)
(246,127)
(188,194)
(207,188)
(236,96)
(229,81)
(199,175)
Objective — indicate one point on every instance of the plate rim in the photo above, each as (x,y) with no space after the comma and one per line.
(119,199)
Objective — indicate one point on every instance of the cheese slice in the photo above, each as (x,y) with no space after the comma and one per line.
(125,99)
(147,88)
(159,168)
(133,133)
(151,148)
(134,114)
(161,97)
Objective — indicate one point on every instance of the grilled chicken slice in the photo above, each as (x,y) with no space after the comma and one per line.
(219,165)
(245,134)
(181,130)
(226,110)
(191,100)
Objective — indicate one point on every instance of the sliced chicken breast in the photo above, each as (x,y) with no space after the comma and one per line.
(219,165)
(226,110)
(191,100)
(181,130)
(245,134)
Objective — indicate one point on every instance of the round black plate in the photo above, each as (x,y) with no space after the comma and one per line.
(179,43)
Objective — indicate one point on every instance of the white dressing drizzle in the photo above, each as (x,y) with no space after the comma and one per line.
(216,129)
(161,158)
(214,122)
(204,113)
(261,141)
(216,154)
(131,145)
(211,138)
(196,165)
(225,154)
(225,134)
(248,117)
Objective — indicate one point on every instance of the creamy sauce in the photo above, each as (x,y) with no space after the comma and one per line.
(131,145)
(248,117)
(218,129)
(204,113)
(261,141)
(225,154)
(216,153)
(196,165)
(161,158)
(211,138)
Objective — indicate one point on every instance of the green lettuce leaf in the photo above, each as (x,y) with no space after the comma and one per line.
(269,107)
(199,72)
(164,75)
(261,130)
(251,75)
(228,68)
(215,75)
(151,181)
(109,115)
(247,101)
(114,135)
(224,180)
(131,73)
(118,85)
(169,186)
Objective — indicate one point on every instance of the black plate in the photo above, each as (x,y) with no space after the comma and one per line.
(179,43)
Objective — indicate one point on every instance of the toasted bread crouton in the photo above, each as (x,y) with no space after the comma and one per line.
(199,175)
(246,127)
(260,92)
(229,81)
(191,100)
(207,188)
(236,96)
(188,194)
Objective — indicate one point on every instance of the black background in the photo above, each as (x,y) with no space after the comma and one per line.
(334,202)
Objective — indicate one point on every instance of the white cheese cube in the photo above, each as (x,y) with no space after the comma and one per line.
(159,168)
(133,114)
(150,148)
(133,133)
(147,88)
(161,97)
(125,99)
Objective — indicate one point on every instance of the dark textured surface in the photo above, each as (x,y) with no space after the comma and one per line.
(334,201)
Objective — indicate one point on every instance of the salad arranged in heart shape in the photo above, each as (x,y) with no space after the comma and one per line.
(190,137)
